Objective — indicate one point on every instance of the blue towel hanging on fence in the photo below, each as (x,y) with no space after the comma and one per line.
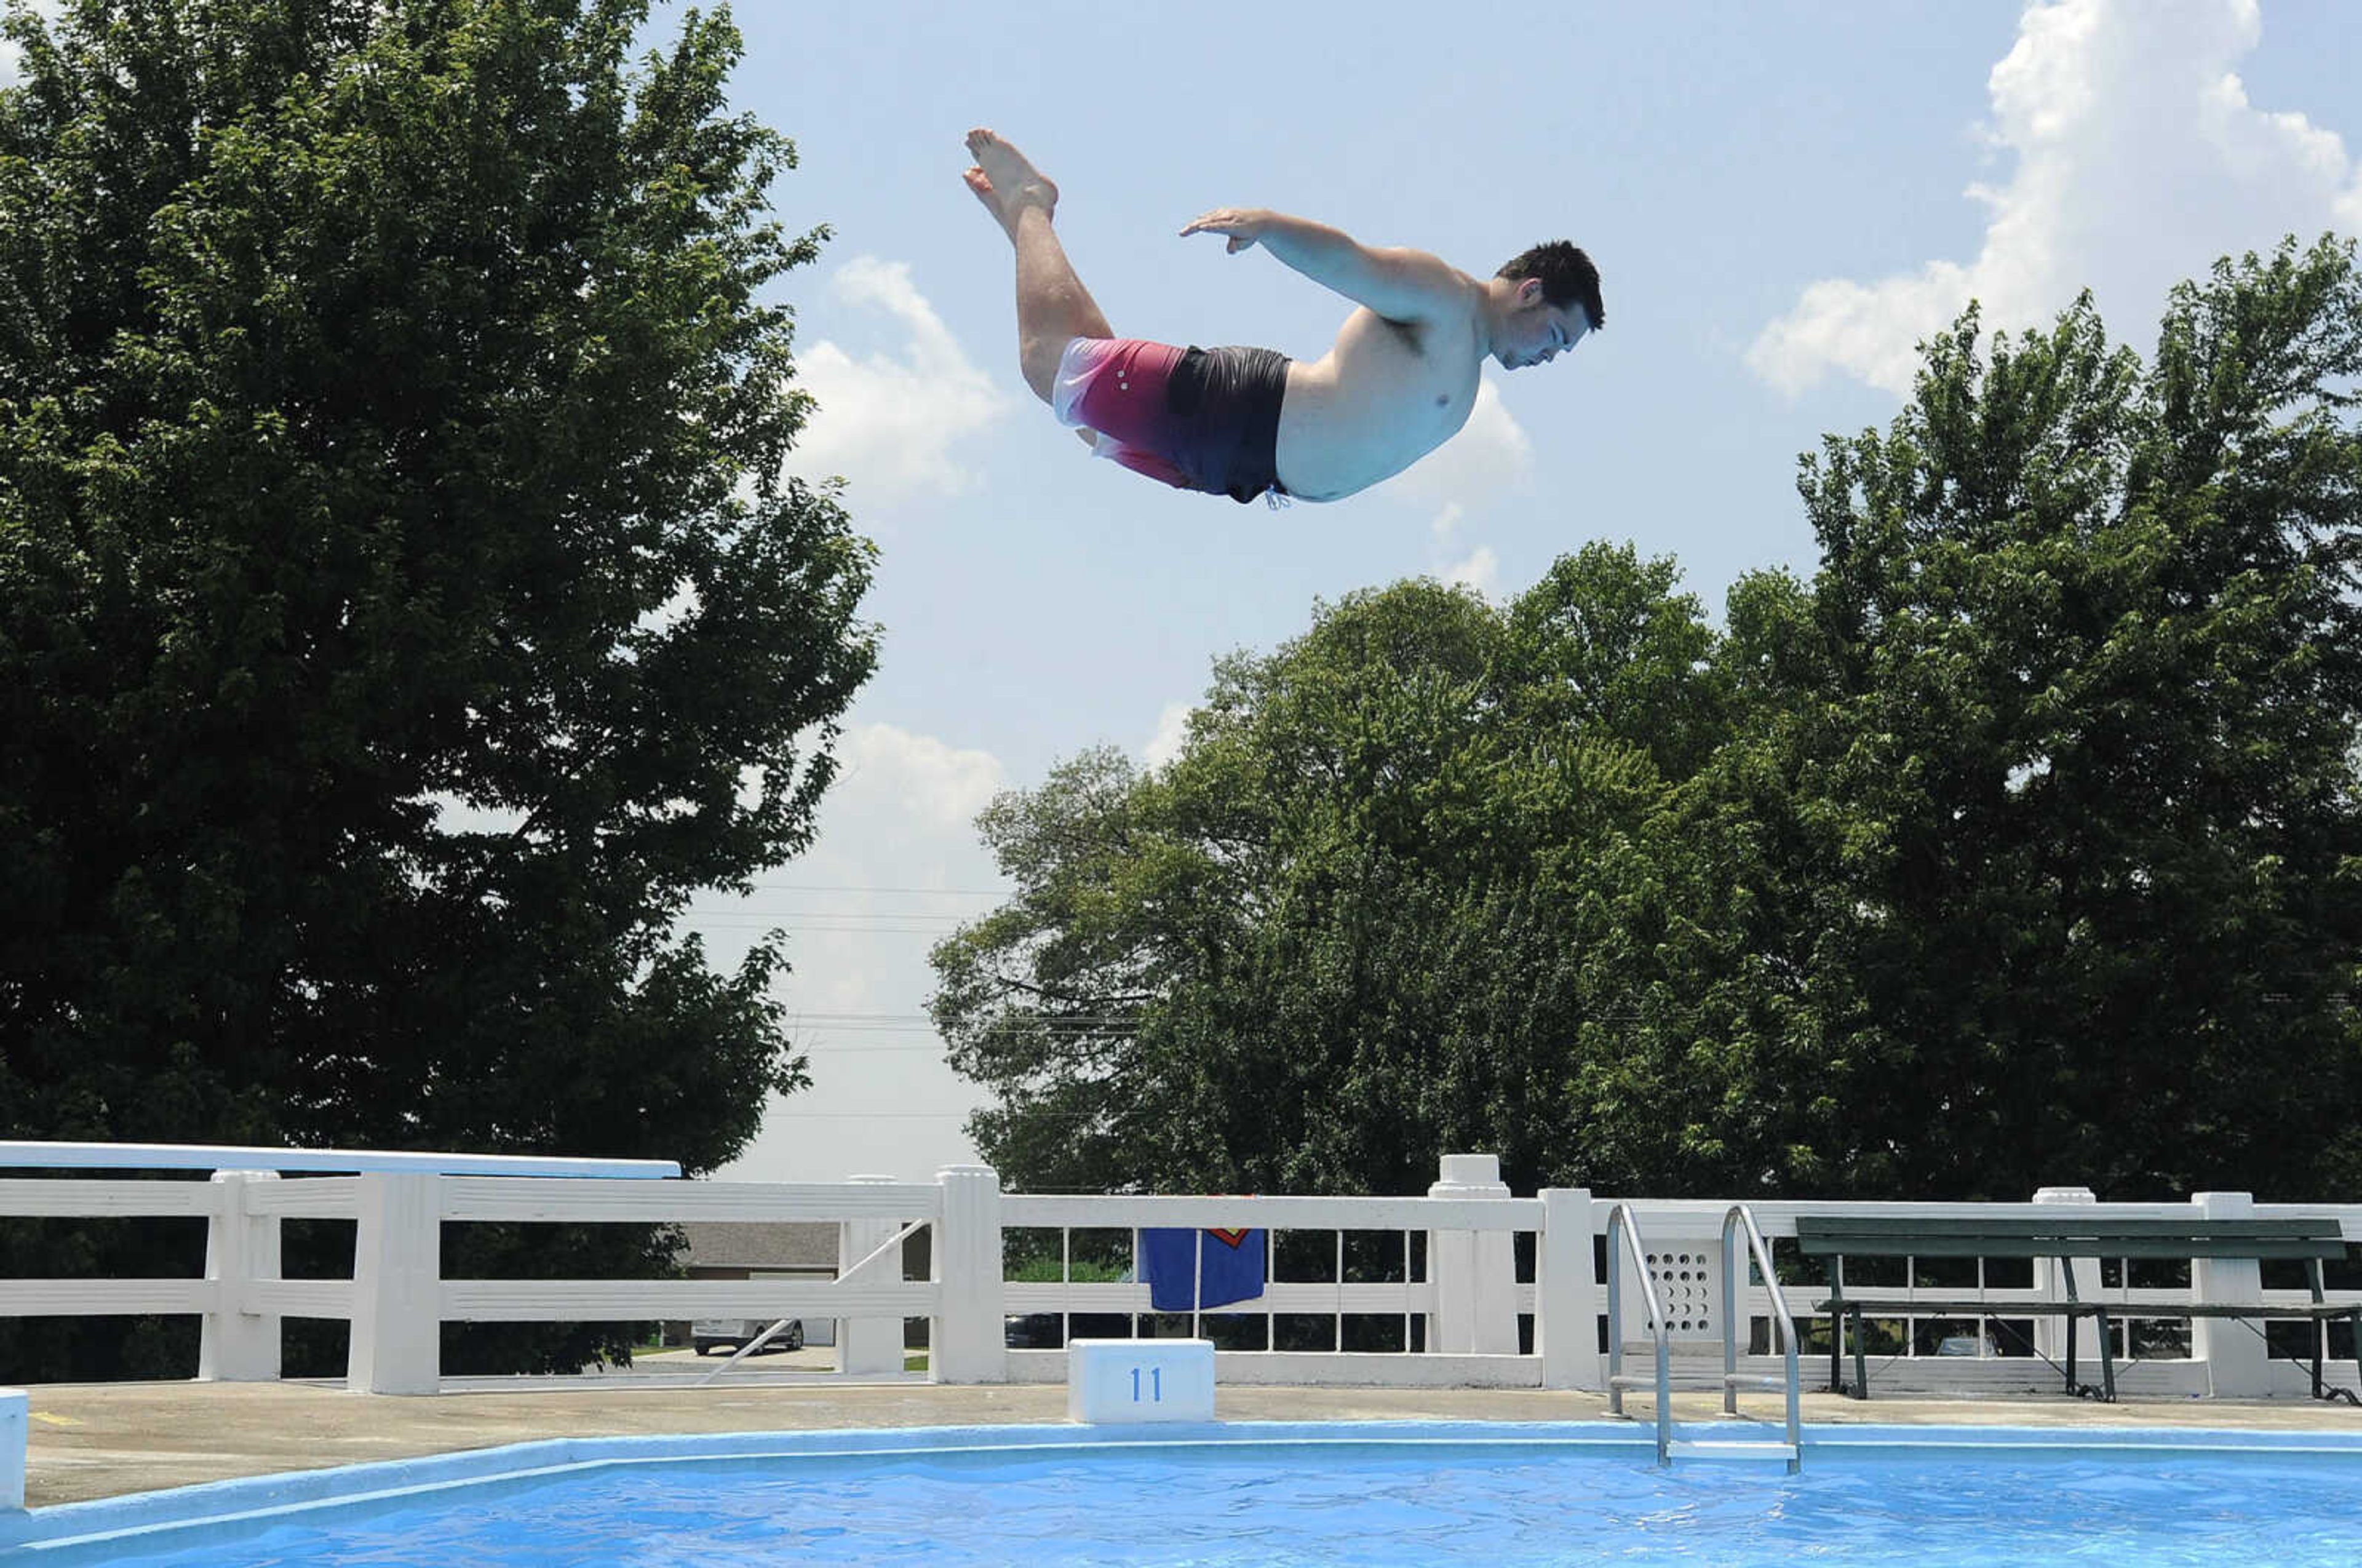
(1228,1266)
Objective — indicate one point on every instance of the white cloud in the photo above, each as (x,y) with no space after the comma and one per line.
(892,424)
(915,781)
(11,57)
(1172,734)
(1491,456)
(895,865)
(1481,572)
(1448,521)
(2138,159)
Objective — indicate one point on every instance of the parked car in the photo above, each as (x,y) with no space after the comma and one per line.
(1040,1331)
(720,1333)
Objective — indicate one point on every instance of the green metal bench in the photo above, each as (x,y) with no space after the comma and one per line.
(2063,1238)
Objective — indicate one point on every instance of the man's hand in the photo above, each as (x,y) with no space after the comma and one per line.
(1243,225)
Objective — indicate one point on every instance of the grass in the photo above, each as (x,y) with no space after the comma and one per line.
(1046,1271)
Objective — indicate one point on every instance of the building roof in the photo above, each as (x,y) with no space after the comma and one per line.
(744,1243)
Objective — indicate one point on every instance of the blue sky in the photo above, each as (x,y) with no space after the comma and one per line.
(1781,198)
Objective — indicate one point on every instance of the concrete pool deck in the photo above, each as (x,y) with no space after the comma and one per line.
(91,1441)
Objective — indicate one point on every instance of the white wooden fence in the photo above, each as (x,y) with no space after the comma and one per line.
(1478,1305)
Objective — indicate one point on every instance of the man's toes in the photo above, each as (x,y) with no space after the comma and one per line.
(977,140)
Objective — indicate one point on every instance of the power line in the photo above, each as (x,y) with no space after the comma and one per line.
(1046,1026)
(1077,1032)
(800,1016)
(851,887)
(865,917)
(864,1050)
(792,924)
(868,1115)
(822,913)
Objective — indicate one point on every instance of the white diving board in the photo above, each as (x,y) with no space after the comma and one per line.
(31,1155)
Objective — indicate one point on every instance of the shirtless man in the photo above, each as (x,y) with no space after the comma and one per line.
(1400,379)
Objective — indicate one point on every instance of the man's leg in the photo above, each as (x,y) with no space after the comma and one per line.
(1052,306)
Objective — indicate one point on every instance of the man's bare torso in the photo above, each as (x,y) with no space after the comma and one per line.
(1384,395)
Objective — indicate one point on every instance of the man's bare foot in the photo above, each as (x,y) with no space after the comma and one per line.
(1005,182)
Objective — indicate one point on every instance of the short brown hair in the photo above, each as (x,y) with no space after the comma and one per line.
(1566,273)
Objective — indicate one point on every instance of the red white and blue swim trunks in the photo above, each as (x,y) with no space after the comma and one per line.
(1194,418)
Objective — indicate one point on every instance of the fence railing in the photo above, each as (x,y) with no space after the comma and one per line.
(1464,1285)
(1442,1287)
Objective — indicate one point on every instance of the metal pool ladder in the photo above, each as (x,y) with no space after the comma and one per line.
(1622,1222)
(1742,1217)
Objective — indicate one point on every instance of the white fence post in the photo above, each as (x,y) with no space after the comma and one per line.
(1567,1301)
(15,1412)
(397,1345)
(968,1339)
(235,1345)
(2238,1361)
(868,1345)
(1474,1272)
(2050,1333)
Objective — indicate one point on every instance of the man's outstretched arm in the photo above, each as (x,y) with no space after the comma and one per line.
(1399,284)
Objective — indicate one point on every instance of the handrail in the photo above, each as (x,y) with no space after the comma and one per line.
(1620,1217)
(1741,1216)
(846,1278)
(748,1347)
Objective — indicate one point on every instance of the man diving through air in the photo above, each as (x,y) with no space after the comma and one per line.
(1400,379)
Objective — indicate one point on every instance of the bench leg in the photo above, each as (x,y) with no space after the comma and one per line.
(2355,1318)
(1861,1361)
(2107,1360)
(2072,1321)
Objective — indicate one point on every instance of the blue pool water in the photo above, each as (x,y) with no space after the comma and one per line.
(1495,1503)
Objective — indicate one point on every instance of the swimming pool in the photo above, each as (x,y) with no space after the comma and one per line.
(1257,1493)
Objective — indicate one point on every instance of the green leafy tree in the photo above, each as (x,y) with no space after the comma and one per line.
(401,610)
(2080,679)
(1384,903)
